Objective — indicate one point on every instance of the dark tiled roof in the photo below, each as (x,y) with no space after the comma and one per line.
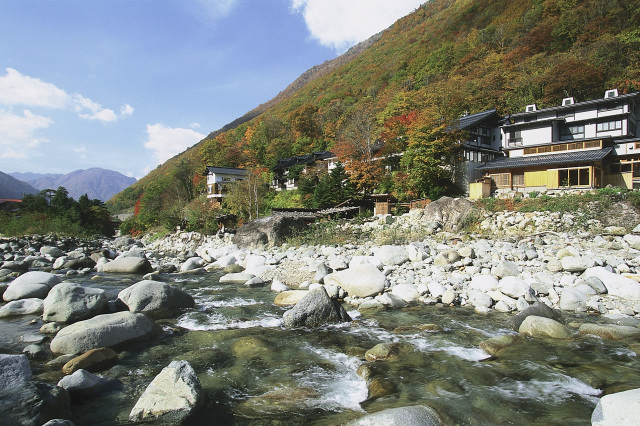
(565,158)
(285,163)
(227,170)
(472,120)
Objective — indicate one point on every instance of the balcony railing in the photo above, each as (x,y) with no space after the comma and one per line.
(514,142)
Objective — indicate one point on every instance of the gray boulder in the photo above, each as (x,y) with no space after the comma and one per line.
(170,397)
(417,415)
(538,309)
(268,231)
(122,242)
(191,264)
(51,251)
(127,265)
(33,284)
(544,327)
(616,285)
(155,298)
(79,263)
(71,302)
(31,306)
(14,371)
(314,310)
(505,268)
(33,404)
(235,278)
(82,384)
(450,213)
(573,299)
(360,281)
(619,409)
(101,331)
(392,255)
(407,292)
(610,331)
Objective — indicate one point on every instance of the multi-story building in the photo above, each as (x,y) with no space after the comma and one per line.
(581,145)
(287,172)
(220,178)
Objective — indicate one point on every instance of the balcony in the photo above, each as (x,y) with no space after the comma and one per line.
(514,142)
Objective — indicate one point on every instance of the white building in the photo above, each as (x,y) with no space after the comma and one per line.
(219,179)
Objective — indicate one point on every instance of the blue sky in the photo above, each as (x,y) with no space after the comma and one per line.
(127,84)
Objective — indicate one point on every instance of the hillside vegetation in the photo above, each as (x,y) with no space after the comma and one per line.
(445,58)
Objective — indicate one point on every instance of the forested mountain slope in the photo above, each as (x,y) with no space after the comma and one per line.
(447,57)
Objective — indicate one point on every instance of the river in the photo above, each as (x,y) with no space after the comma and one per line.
(253,371)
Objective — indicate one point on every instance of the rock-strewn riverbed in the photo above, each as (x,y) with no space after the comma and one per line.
(532,325)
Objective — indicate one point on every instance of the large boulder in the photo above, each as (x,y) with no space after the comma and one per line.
(101,331)
(268,231)
(392,255)
(417,415)
(314,310)
(616,285)
(33,404)
(620,409)
(538,309)
(33,284)
(544,327)
(79,263)
(22,307)
(610,331)
(127,265)
(289,297)
(170,397)
(71,302)
(360,281)
(451,213)
(155,298)
(14,371)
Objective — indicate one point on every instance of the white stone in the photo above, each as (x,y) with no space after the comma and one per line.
(360,281)
(436,289)
(483,283)
(392,255)
(407,292)
(514,287)
(616,285)
(278,286)
(619,409)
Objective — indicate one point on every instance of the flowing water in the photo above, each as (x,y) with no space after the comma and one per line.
(253,371)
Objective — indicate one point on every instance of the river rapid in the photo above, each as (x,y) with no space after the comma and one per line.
(254,371)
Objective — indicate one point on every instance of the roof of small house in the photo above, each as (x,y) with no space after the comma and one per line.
(565,158)
(467,121)
(226,170)
(285,163)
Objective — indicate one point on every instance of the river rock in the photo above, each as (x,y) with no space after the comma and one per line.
(268,231)
(101,331)
(514,287)
(123,242)
(616,285)
(14,371)
(505,268)
(619,409)
(359,281)
(191,264)
(610,331)
(314,310)
(484,283)
(170,397)
(278,286)
(33,284)
(573,299)
(71,302)
(82,384)
(22,307)
(407,292)
(633,240)
(236,278)
(497,344)
(93,360)
(538,309)
(382,351)
(155,298)
(417,415)
(33,404)
(289,297)
(51,251)
(535,326)
(574,263)
(446,257)
(450,213)
(127,265)
(276,402)
(79,263)
(392,255)
(436,289)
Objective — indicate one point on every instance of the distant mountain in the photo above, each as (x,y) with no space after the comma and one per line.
(13,188)
(95,182)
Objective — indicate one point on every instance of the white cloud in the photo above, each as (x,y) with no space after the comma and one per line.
(340,24)
(18,133)
(19,89)
(165,142)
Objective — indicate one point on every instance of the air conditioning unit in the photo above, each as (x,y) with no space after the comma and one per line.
(531,108)
(611,93)
(568,101)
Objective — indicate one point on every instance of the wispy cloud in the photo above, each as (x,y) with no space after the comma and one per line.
(215,9)
(19,89)
(340,24)
(165,142)
(18,133)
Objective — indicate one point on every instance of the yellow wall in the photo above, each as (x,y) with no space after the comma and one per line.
(552,179)
(478,190)
(538,178)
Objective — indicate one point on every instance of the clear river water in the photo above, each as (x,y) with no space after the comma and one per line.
(253,371)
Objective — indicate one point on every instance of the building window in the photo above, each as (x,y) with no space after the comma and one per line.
(574,177)
(517,179)
(501,180)
(515,138)
(226,179)
(608,126)
(571,132)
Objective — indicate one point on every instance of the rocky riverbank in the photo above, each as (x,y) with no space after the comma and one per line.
(534,266)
